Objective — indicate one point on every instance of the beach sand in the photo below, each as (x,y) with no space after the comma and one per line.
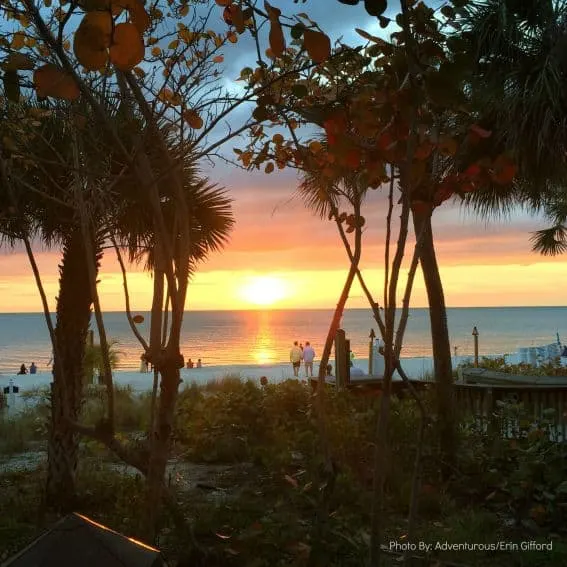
(142,382)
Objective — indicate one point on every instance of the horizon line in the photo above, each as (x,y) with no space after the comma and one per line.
(253,310)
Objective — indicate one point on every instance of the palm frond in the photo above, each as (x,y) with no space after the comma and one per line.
(210,208)
(321,193)
(492,204)
(518,90)
(318,193)
(519,79)
(550,241)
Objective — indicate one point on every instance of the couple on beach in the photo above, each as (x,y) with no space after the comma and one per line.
(299,353)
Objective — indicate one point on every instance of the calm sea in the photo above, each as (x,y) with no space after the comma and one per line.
(265,337)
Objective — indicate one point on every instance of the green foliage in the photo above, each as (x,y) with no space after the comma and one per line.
(518,470)
(275,426)
(261,508)
(94,362)
(132,410)
(29,426)
(20,432)
(549,368)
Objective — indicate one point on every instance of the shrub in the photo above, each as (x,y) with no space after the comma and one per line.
(132,410)
(18,432)
(548,368)
(517,470)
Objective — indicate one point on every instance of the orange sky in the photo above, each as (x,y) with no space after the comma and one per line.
(276,237)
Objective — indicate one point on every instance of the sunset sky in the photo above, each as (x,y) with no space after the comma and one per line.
(280,247)
(281,254)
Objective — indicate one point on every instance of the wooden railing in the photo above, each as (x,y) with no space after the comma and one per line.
(485,402)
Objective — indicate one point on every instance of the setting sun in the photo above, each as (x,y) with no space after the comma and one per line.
(264,290)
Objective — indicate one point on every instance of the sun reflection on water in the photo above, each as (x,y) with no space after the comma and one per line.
(264,356)
(264,351)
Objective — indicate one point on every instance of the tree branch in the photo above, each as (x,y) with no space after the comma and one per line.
(133,326)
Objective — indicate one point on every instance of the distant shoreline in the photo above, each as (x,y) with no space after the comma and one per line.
(242,339)
(318,309)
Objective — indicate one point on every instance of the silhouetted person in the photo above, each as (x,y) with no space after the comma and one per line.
(33,368)
(308,357)
(23,369)
(295,357)
(199,363)
(190,363)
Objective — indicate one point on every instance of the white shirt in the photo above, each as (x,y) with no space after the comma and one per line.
(296,354)
(308,354)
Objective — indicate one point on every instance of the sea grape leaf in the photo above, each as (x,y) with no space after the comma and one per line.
(375,7)
(18,61)
(51,81)
(127,49)
(138,15)
(318,45)
(92,40)
(276,38)
(193,119)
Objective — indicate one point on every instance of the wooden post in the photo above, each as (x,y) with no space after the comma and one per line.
(372,336)
(348,361)
(475,335)
(91,338)
(341,359)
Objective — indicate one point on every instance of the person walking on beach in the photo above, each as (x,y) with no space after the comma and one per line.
(295,356)
(23,370)
(33,368)
(308,357)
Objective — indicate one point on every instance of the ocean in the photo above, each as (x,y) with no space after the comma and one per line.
(226,338)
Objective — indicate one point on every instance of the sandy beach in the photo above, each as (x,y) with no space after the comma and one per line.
(142,382)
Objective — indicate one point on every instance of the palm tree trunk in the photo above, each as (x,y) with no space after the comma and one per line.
(161,442)
(73,317)
(440,339)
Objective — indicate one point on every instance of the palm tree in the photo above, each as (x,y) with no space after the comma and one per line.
(116,210)
(46,213)
(94,363)
(518,87)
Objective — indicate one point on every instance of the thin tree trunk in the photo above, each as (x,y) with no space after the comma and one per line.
(343,298)
(73,317)
(381,449)
(335,324)
(440,341)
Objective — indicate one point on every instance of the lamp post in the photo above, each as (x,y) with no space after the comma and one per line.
(371,336)
(475,335)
